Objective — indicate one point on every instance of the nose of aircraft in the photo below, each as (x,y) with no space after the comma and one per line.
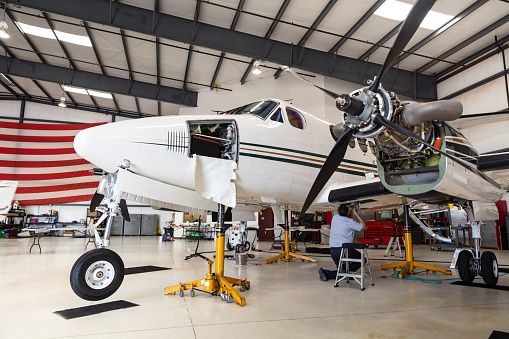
(102,146)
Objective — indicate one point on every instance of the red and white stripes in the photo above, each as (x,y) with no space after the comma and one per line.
(41,157)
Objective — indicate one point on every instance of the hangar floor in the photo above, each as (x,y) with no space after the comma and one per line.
(286,300)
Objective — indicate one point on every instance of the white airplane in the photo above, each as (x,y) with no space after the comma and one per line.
(7,190)
(268,153)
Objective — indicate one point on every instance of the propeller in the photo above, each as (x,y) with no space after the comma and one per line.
(360,109)
(96,201)
(328,168)
(123,210)
(406,32)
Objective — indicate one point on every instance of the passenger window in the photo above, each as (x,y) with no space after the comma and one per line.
(295,118)
(277,116)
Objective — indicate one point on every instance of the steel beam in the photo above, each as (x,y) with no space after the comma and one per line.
(222,39)
(48,21)
(311,29)
(357,25)
(381,42)
(100,82)
(43,91)
(471,58)
(271,29)
(221,57)
(465,43)
(442,29)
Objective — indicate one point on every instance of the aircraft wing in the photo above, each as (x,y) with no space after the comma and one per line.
(496,165)
(370,193)
(155,193)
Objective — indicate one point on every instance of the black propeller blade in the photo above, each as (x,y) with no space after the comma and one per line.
(408,29)
(333,95)
(378,119)
(123,210)
(329,167)
(96,201)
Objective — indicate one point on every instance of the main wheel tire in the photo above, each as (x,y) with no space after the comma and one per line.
(97,274)
(247,246)
(489,268)
(465,266)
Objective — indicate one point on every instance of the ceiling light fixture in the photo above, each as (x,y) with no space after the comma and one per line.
(256,69)
(3,25)
(62,102)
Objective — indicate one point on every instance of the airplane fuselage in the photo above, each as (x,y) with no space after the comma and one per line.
(277,158)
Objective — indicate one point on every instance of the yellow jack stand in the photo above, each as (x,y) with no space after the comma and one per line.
(289,252)
(216,283)
(410,264)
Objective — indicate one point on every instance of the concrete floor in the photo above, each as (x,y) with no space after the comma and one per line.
(286,300)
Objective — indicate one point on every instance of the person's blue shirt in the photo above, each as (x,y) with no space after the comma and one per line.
(342,230)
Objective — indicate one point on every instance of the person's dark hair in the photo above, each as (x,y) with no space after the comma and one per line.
(343,210)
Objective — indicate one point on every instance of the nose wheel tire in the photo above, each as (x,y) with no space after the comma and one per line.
(97,274)
(489,268)
(465,266)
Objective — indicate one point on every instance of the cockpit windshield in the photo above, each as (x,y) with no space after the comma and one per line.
(259,108)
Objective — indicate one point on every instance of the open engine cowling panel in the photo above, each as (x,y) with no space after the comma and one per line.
(214,138)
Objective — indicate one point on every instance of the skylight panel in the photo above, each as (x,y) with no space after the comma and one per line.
(62,36)
(397,10)
(75,90)
(100,94)
(85,91)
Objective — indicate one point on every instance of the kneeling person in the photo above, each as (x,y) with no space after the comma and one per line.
(342,231)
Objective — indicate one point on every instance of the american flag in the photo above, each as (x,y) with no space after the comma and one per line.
(41,157)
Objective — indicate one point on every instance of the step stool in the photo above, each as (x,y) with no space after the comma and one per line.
(391,246)
(363,260)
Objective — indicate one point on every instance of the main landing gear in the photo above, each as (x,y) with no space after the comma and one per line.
(98,273)
(216,283)
(472,263)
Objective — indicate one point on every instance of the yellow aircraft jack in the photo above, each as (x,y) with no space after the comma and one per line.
(409,265)
(289,252)
(216,283)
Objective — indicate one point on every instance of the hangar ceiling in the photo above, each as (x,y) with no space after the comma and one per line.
(145,57)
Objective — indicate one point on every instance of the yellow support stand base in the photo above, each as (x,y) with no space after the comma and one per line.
(215,283)
(289,252)
(409,265)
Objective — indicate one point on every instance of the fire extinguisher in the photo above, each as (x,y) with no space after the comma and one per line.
(437,144)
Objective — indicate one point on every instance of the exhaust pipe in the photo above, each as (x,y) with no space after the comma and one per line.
(418,113)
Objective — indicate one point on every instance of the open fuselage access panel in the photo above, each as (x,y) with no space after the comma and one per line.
(214,138)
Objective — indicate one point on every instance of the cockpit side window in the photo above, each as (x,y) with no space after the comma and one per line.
(295,118)
(259,108)
(277,116)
